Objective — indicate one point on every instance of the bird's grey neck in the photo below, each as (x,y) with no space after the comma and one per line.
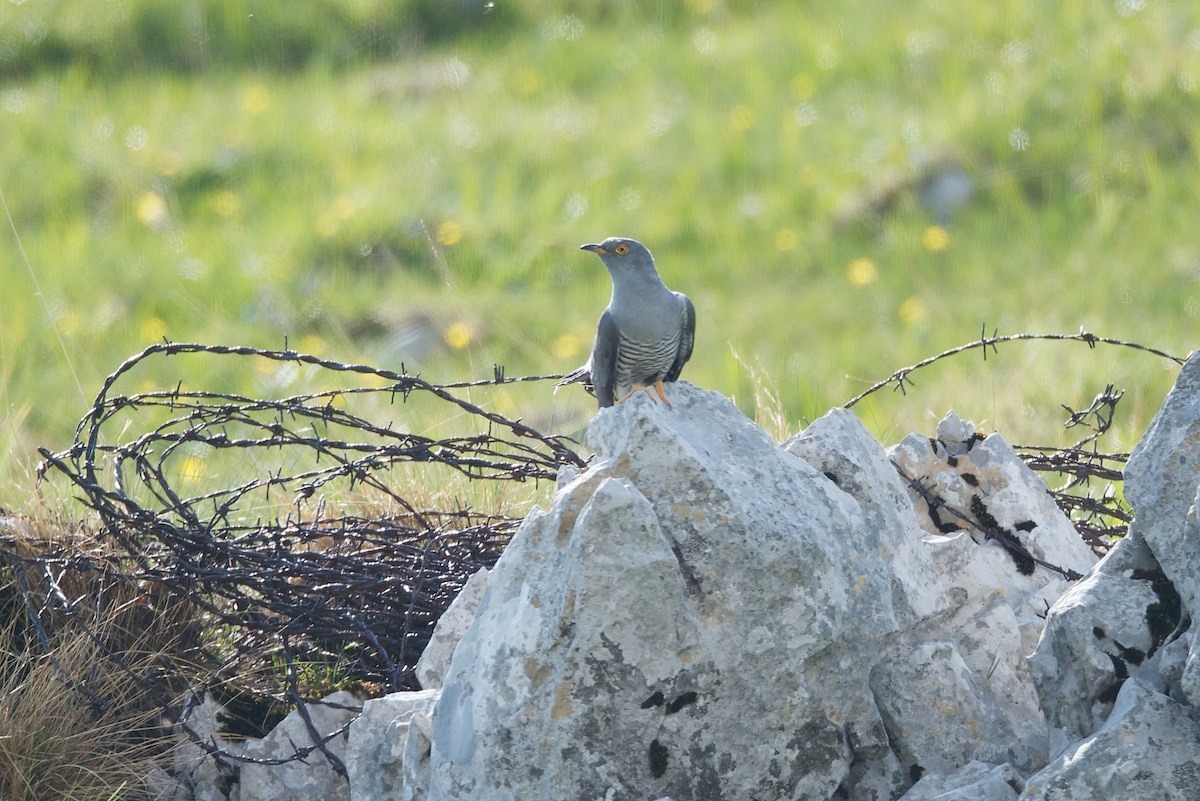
(637,285)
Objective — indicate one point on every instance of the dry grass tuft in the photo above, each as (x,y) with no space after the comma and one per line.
(75,723)
(55,744)
(769,412)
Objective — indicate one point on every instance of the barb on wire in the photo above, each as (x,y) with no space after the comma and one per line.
(1101,518)
(239,507)
(981,521)
(903,375)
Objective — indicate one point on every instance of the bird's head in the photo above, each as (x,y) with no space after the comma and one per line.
(623,255)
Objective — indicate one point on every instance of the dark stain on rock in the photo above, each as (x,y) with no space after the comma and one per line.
(980,510)
(685,569)
(941,525)
(1122,673)
(658,758)
(970,479)
(655,700)
(679,703)
(1025,525)
(1110,695)
(1127,656)
(1021,557)
(1132,656)
(1162,616)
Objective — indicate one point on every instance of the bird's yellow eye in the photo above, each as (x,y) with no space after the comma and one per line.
(621,249)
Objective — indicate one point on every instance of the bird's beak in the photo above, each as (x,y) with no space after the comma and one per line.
(597,249)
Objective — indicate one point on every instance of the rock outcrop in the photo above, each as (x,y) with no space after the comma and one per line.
(1161,482)
(659,629)
(702,614)
(1002,549)
(1148,747)
(263,768)
(381,735)
(311,777)
(974,781)
(1118,664)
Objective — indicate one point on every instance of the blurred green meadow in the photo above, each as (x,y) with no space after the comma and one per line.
(842,189)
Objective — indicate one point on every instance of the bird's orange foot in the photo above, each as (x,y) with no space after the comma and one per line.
(657,385)
(634,387)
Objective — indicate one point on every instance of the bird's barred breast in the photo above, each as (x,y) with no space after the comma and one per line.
(645,362)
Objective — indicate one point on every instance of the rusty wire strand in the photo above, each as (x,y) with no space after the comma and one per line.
(901,377)
(285,576)
(263,557)
(1100,520)
(990,532)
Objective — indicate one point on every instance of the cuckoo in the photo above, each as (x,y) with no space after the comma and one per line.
(645,335)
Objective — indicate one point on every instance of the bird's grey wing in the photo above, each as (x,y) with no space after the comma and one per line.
(604,360)
(687,337)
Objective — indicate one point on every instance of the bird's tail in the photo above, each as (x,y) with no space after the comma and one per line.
(581,375)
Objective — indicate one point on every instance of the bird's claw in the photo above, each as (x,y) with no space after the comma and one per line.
(657,386)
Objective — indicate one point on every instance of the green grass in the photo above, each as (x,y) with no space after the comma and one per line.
(377,189)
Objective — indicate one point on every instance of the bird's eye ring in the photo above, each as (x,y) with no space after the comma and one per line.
(621,249)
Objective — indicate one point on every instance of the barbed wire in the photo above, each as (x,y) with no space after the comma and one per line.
(982,522)
(1101,519)
(289,578)
(901,378)
(239,509)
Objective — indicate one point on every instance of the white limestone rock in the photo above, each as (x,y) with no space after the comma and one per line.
(1189,679)
(162,786)
(695,616)
(375,749)
(999,601)
(415,764)
(1111,625)
(703,615)
(201,776)
(971,652)
(435,659)
(985,485)
(982,480)
(974,781)
(941,714)
(1172,660)
(1148,748)
(1161,480)
(841,448)
(312,777)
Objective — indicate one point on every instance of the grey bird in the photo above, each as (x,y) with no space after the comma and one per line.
(645,335)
